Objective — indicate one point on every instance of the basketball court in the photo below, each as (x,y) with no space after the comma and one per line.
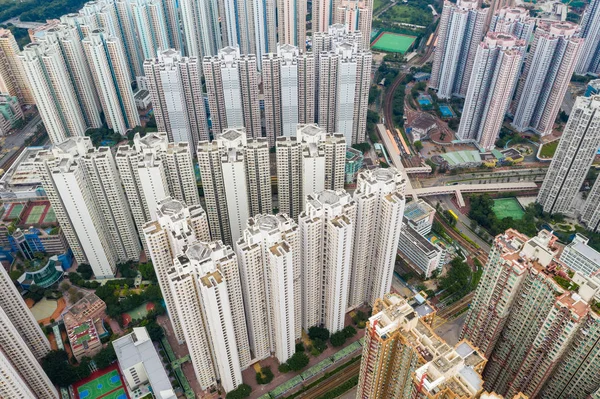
(104,386)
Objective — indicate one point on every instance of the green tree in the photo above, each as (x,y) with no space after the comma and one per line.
(338,339)
(242,391)
(298,361)
(85,271)
(57,367)
(418,145)
(105,357)
(318,332)
(147,271)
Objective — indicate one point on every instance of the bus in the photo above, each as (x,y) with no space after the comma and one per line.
(453,214)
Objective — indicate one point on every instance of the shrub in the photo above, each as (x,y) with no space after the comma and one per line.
(319,345)
(284,368)
(265,376)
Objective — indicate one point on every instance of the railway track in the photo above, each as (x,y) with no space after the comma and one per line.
(333,382)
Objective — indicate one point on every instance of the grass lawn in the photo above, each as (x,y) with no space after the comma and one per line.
(393,43)
(379,4)
(408,14)
(549,149)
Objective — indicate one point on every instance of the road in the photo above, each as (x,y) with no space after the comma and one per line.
(13,143)
(450,330)
(331,383)
(24,25)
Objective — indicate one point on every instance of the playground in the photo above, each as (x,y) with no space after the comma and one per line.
(137,313)
(102,384)
(508,207)
(393,42)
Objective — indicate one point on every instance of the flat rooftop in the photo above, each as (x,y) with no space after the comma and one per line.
(22,175)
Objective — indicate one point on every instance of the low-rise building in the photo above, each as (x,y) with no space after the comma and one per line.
(142,98)
(46,274)
(141,366)
(419,215)
(21,181)
(422,255)
(354,163)
(10,114)
(580,257)
(421,126)
(84,325)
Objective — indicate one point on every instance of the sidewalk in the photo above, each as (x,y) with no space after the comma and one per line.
(249,375)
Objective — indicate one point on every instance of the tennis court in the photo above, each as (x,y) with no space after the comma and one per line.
(35,214)
(393,42)
(508,207)
(446,111)
(101,386)
(50,216)
(14,212)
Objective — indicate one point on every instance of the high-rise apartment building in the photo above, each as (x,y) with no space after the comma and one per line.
(151,26)
(200,24)
(236,181)
(291,22)
(13,79)
(513,21)
(205,283)
(344,75)
(327,231)
(495,6)
(589,62)
(577,374)
(175,86)
(251,25)
(66,39)
(524,316)
(232,87)
(289,90)
(269,261)
(310,162)
(153,169)
(119,16)
(572,159)
(590,216)
(173,23)
(173,227)
(357,15)
(404,358)
(108,64)
(379,198)
(495,72)
(322,15)
(20,317)
(20,372)
(54,93)
(462,26)
(552,57)
(85,191)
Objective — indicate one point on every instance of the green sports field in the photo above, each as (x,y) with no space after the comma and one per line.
(508,207)
(101,386)
(35,214)
(393,43)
